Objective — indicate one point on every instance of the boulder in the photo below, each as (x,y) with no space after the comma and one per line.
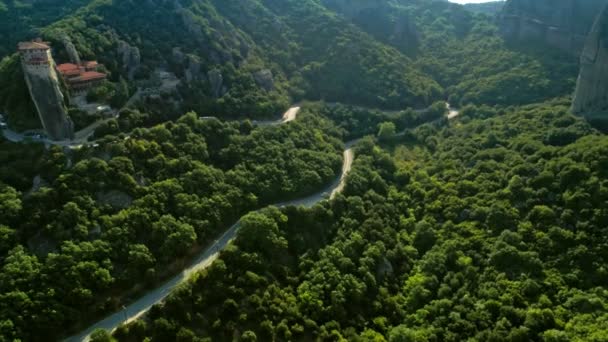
(130,56)
(216,82)
(71,50)
(193,71)
(178,56)
(264,79)
(114,198)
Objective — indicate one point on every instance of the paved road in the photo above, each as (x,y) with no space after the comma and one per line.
(290,115)
(452,112)
(349,157)
(80,138)
(206,258)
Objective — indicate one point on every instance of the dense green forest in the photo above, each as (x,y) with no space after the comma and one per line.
(491,229)
(490,226)
(131,211)
(251,59)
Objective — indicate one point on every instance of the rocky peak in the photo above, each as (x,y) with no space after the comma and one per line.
(131,58)
(216,82)
(562,24)
(591,93)
(71,49)
(264,79)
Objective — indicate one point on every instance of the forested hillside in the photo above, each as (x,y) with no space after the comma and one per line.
(252,58)
(491,229)
(129,211)
(489,225)
(463,52)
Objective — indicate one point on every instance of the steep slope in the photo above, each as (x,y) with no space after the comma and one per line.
(263,51)
(21,19)
(382,19)
(562,24)
(592,88)
(463,52)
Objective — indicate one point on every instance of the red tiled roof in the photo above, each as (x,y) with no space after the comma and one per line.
(64,68)
(71,73)
(91,64)
(90,76)
(33,46)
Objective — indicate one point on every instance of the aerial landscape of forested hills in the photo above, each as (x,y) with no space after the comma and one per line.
(440,172)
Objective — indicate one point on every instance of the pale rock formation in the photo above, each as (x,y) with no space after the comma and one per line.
(562,24)
(43,84)
(71,50)
(193,72)
(216,82)
(130,56)
(591,93)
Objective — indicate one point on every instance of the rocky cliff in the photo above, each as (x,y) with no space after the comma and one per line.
(591,94)
(562,24)
(43,85)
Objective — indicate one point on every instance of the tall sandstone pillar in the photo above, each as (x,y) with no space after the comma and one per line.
(43,83)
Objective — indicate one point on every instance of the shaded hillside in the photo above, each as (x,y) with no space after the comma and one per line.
(462,51)
(249,57)
(561,24)
(21,19)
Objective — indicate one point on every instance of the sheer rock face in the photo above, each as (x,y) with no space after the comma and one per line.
(193,71)
(592,87)
(44,87)
(131,58)
(561,24)
(216,81)
(71,50)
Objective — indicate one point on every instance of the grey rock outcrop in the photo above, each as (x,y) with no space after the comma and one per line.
(114,198)
(264,79)
(44,88)
(178,55)
(216,82)
(562,24)
(591,93)
(193,71)
(71,50)
(130,56)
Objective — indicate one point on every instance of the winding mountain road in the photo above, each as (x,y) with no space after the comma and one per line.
(138,308)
